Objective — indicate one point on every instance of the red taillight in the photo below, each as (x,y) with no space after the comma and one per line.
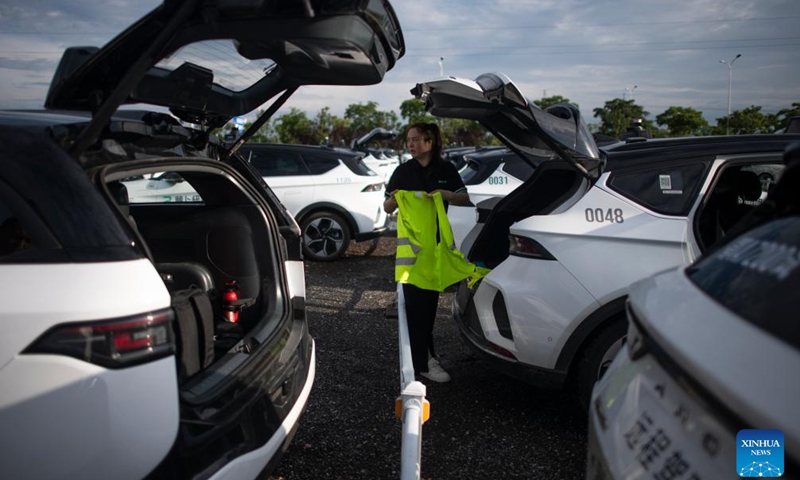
(114,343)
(502,351)
(527,247)
(375,187)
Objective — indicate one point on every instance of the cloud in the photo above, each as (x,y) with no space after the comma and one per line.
(588,51)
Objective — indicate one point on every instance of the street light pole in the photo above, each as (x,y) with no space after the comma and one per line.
(629,90)
(441,66)
(730,82)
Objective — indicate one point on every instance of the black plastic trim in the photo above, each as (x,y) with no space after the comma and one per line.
(584,331)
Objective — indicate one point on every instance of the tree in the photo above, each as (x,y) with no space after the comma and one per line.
(413,111)
(683,121)
(743,122)
(364,118)
(616,116)
(786,114)
(545,102)
(330,129)
(295,127)
(459,131)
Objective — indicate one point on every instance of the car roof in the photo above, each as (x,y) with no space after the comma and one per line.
(300,146)
(687,148)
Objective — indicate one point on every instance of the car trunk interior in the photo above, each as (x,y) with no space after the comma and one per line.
(220,244)
(551,184)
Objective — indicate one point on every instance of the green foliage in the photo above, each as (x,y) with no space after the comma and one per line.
(545,102)
(364,118)
(295,127)
(330,129)
(616,116)
(683,122)
(413,111)
(747,121)
(458,131)
(786,114)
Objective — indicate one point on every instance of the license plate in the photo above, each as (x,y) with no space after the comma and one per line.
(663,434)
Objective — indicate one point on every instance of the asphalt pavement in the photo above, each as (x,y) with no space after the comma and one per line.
(483,424)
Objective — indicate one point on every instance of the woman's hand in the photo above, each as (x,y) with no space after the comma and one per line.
(390,204)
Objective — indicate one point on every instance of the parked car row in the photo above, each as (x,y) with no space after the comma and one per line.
(156,335)
(566,245)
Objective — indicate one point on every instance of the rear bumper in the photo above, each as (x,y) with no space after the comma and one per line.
(466,318)
(258,463)
(244,429)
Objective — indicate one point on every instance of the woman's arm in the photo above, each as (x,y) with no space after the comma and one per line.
(461,198)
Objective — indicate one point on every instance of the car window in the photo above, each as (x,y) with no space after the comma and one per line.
(14,237)
(518,168)
(768,175)
(737,189)
(163,187)
(319,164)
(756,276)
(670,190)
(276,163)
(468,172)
(361,168)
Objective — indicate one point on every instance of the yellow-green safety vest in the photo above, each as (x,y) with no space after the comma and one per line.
(420,259)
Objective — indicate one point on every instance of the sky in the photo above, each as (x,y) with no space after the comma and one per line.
(659,52)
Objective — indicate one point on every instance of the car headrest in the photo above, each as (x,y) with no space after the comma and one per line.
(119,192)
(743,183)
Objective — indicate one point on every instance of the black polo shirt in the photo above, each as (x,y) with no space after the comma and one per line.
(441,175)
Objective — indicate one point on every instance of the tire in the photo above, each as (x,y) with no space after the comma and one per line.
(597,356)
(326,236)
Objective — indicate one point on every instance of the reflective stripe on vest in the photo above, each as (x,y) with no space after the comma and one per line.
(421,260)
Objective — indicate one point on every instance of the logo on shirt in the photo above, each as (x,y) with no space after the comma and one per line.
(759,453)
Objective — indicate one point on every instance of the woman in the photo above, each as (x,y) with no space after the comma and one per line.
(429,173)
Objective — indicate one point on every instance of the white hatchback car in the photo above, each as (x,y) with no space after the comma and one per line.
(565,245)
(166,339)
(704,386)
(331,192)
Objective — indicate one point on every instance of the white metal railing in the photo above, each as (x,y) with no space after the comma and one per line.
(412,407)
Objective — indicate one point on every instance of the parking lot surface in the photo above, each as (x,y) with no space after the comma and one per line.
(483,424)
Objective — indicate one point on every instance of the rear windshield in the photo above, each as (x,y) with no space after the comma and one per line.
(518,168)
(757,276)
(468,172)
(357,166)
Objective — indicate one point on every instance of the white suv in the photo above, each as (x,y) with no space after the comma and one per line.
(330,191)
(163,339)
(564,246)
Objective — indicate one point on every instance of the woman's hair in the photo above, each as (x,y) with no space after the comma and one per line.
(430,131)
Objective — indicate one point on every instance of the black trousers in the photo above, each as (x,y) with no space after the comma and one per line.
(421,308)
